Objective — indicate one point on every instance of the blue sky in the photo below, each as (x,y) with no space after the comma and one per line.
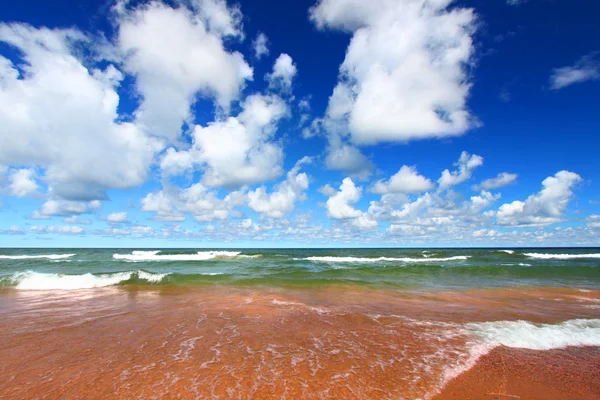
(206,123)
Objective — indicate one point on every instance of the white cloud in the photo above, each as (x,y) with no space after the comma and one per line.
(405,75)
(593,221)
(238,150)
(466,164)
(23,182)
(339,206)
(348,158)
(503,179)
(327,190)
(117,218)
(220,19)
(61,116)
(172,69)
(65,208)
(284,71)
(543,208)
(175,162)
(285,195)
(406,180)
(58,229)
(587,68)
(515,2)
(161,204)
(260,45)
(172,203)
(77,220)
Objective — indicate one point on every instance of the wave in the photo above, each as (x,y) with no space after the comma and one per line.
(526,335)
(549,256)
(399,259)
(31,280)
(137,256)
(507,251)
(32,257)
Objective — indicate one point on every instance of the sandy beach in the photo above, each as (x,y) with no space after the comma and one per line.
(335,342)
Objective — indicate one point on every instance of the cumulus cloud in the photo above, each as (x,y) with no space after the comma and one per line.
(543,208)
(202,203)
(260,45)
(405,75)
(77,220)
(117,218)
(65,208)
(282,200)
(339,206)
(57,229)
(587,68)
(503,179)
(52,99)
(23,182)
(284,71)
(466,164)
(236,151)
(348,158)
(172,69)
(593,221)
(406,180)
(327,190)
(162,205)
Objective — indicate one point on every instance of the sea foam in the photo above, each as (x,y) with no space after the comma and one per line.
(32,257)
(507,251)
(399,259)
(549,256)
(31,280)
(526,335)
(154,256)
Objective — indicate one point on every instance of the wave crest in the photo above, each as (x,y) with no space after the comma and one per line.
(526,335)
(137,256)
(399,259)
(549,256)
(31,280)
(33,257)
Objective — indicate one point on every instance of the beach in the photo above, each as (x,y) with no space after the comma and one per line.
(439,335)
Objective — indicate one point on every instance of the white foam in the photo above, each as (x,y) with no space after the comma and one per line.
(507,251)
(399,259)
(548,256)
(150,277)
(32,257)
(525,335)
(44,281)
(137,256)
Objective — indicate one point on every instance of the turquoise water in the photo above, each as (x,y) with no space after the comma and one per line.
(436,269)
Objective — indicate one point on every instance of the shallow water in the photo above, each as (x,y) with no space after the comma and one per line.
(430,269)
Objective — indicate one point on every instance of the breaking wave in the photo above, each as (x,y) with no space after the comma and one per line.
(199,256)
(549,256)
(30,280)
(43,256)
(507,251)
(526,335)
(378,259)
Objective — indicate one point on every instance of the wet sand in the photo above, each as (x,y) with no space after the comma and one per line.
(504,374)
(319,343)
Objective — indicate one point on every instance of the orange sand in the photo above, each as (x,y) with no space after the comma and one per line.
(504,374)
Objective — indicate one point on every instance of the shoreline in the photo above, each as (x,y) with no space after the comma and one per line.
(571,373)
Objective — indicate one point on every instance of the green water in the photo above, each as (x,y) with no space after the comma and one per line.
(435,269)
